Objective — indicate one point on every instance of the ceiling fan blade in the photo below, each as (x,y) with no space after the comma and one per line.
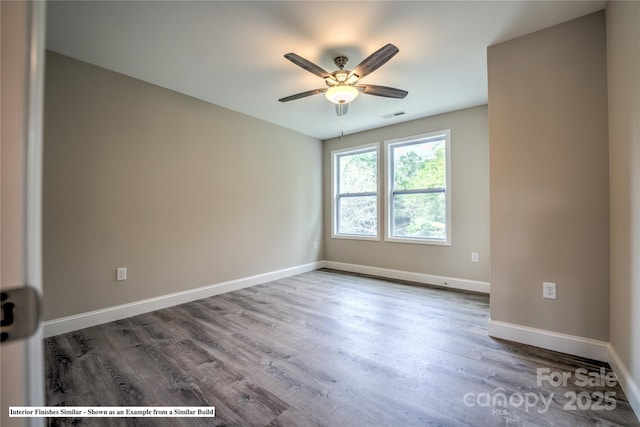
(342,109)
(376,60)
(307,65)
(388,92)
(302,95)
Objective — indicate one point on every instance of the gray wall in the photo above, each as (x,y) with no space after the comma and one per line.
(623,60)
(470,203)
(549,178)
(183,193)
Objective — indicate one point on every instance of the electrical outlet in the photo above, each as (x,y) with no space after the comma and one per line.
(315,244)
(474,256)
(121,273)
(548,290)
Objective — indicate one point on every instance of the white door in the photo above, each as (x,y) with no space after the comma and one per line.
(21,74)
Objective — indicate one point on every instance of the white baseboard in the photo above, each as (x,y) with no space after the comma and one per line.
(110,314)
(430,279)
(564,343)
(628,384)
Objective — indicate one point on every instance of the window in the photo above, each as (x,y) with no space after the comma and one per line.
(418,199)
(355,184)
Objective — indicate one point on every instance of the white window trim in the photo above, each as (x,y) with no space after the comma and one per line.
(388,187)
(334,192)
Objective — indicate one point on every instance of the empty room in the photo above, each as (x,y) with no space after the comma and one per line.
(304,213)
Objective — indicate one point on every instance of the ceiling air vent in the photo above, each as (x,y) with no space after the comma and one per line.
(391,115)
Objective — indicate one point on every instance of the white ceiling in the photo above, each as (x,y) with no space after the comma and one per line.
(231,53)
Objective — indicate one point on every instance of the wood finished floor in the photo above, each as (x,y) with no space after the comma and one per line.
(319,349)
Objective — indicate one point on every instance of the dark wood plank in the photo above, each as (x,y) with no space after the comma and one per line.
(319,349)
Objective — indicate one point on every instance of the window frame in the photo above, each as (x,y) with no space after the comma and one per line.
(335,195)
(389,191)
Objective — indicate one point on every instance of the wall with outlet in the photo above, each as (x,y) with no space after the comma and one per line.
(549,179)
(181,193)
(470,202)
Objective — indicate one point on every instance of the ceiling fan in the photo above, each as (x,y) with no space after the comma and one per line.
(343,85)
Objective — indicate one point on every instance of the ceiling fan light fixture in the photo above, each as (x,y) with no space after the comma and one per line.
(352,79)
(331,81)
(341,94)
(343,85)
(341,76)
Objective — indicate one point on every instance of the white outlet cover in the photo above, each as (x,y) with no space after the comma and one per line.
(549,290)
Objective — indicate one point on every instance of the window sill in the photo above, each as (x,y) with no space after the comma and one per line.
(418,241)
(355,237)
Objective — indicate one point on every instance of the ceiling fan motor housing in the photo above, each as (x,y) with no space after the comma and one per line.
(341,61)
